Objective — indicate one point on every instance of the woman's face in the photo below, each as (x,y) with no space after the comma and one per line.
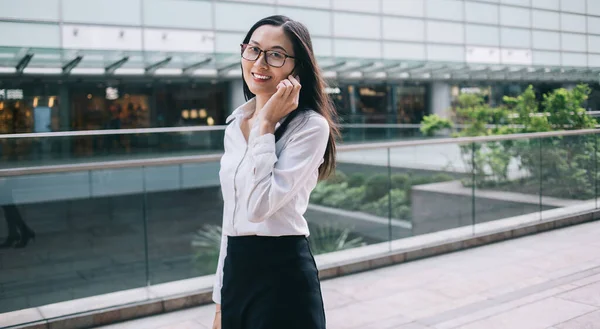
(262,78)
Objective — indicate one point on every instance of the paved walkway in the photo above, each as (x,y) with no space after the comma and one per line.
(545,281)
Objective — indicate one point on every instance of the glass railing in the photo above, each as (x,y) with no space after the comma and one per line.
(100,229)
(59,148)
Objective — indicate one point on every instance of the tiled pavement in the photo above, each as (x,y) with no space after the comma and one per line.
(545,281)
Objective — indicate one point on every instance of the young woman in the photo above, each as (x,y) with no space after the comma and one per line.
(277,145)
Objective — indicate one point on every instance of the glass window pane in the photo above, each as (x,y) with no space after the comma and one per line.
(239,17)
(572,23)
(357,5)
(190,14)
(357,25)
(306,3)
(546,4)
(445,9)
(573,42)
(481,13)
(519,38)
(574,6)
(318,22)
(445,32)
(546,20)
(482,35)
(516,2)
(405,8)
(47,10)
(546,40)
(104,12)
(512,16)
(403,29)
(593,25)
(593,7)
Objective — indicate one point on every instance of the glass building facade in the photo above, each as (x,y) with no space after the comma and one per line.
(80,65)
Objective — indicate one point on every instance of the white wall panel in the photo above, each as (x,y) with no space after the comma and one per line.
(546,58)
(101,37)
(414,8)
(124,12)
(594,60)
(371,6)
(266,2)
(545,20)
(546,40)
(175,40)
(513,37)
(403,29)
(445,9)
(482,35)
(546,4)
(408,51)
(357,49)
(574,6)
(29,35)
(323,46)
(481,12)
(570,59)
(190,14)
(483,55)
(512,16)
(573,42)
(445,32)
(227,42)
(356,25)
(239,17)
(46,10)
(516,56)
(445,53)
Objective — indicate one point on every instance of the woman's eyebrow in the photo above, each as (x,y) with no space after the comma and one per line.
(274,47)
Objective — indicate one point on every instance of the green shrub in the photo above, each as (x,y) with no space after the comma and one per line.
(400,181)
(433,123)
(381,207)
(377,186)
(337,178)
(356,180)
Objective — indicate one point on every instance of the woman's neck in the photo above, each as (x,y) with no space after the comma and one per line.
(261,100)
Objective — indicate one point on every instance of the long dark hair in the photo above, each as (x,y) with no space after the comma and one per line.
(312,94)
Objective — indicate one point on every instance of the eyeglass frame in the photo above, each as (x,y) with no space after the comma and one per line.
(260,52)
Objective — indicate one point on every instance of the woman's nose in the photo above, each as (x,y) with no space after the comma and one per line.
(261,61)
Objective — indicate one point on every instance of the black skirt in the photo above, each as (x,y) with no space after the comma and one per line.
(270,283)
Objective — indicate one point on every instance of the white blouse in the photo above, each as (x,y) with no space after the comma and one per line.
(266,185)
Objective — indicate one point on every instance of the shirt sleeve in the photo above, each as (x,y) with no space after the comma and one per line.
(277,180)
(216,296)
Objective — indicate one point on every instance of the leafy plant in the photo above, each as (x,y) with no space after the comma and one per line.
(332,237)
(433,123)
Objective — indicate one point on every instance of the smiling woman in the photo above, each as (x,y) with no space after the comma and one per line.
(277,146)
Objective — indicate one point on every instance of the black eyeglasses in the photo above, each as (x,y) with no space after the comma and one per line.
(272,57)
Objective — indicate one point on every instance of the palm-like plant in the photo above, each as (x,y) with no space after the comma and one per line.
(323,239)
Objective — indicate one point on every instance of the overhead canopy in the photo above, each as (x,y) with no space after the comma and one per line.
(44,61)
